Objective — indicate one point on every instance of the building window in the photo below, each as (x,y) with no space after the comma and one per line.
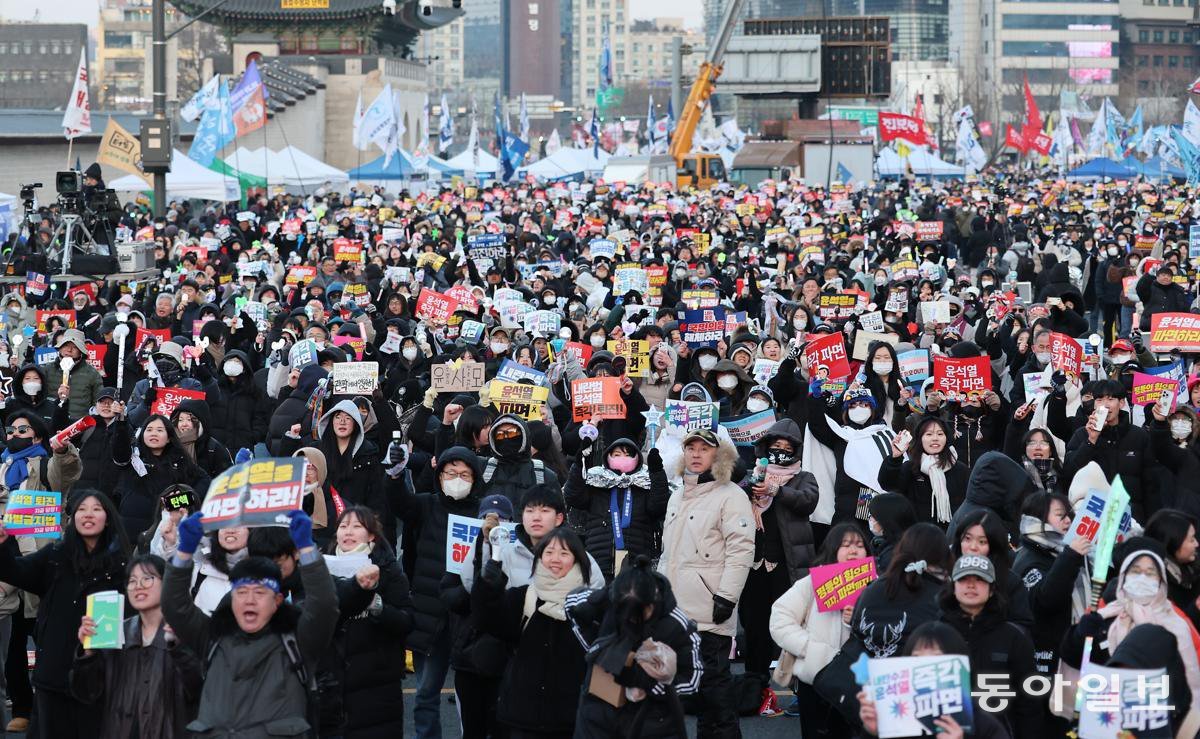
(3,75)
(1187,37)
(55,48)
(1143,85)
(1158,60)
(1142,59)
(1187,62)
(68,48)
(28,47)
(1172,61)
(3,47)
(1173,36)
(1158,37)
(1144,37)
(42,48)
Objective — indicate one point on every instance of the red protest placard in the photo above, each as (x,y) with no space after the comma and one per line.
(347,250)
(434,306)
(1169,331)
(1066,354)
(958,378)
(300,273)
(582,352)
(167,399)
(827,354)
(898,126)
(464,296)
(929,230)
(356,344)
(159,335)
(95,356)
(43,316)
(839,585)
(596,397)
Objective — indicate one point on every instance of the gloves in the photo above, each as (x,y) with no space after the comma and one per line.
(1136,336)
(243,455)
(1058,381)
(396,459)
(654,460)
(493,574)
(722,609)
(202,372)
(150,394)
(376,606)
(300,528)
(191,531)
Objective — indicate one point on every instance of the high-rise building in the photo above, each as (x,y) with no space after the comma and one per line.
(591,22)
(651,43)
(1158,58)
(123,46)
(532,36)
(482,53)
(38,62)
(1060,47)
(443,52)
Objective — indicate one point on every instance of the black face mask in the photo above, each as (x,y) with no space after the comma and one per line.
(169,371)
(780,457)
(508,447)
(18,443)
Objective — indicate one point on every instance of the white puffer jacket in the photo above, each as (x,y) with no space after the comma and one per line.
(808,637)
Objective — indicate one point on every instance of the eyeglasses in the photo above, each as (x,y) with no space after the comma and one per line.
(465,475)
(508,432)
(141,583)
(19,430)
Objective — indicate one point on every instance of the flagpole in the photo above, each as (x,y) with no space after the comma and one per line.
(70,145)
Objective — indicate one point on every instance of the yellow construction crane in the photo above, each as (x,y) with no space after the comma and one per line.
(699,169)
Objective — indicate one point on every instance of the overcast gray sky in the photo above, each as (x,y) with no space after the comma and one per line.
(67,11)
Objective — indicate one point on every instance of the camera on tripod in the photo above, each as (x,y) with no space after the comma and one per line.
(69,185)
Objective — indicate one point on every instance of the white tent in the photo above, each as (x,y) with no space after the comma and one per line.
(187,179)
(464,162)
(289,168)
(567,163)
(923,164)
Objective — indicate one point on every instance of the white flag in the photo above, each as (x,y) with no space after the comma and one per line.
(1191,123)
(206,97)
(1099,133)
(967,148)
(397,131)
(473,145)
(553,143)
(524,122)
(358,119)
(445,127)
(379,120)
(78,117)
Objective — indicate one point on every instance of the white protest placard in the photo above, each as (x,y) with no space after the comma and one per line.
(937,311)
(914,366)
(764,370)
(872,321)
(461,533)
(346,565)
(355,378)
(466,377)
(864,339)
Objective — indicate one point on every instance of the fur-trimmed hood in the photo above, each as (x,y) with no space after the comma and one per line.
(723,465)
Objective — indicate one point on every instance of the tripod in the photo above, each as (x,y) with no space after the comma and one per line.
(70,222)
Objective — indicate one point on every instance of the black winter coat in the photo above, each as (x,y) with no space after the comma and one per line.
(898,476)
(881,623)
(648,507)
(139,493)
(374,652)
(1158,298)
(1000,647)
(541,687)
(997,484)
(786,527)
(49,574)
(96,454)
(1049,579)
(1123,449)
(427,513)
(241,417)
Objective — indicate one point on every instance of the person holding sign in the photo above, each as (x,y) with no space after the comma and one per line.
(1140,598)
(932,477)
(90,558)
(373,643)
(151,686)
(78,385)
(810,637)
(973,605)
(255,638)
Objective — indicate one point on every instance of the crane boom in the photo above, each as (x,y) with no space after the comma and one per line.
(705,83)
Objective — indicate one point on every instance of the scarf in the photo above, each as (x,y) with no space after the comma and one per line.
(1041,534)
(18,465)
(777,476)
(603,477)
(1043,473)
(320,514)
(187,439)
(552,591)
(931,467)
(218,354)
(365,548)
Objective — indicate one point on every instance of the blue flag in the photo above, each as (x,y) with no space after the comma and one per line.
(650,123)
(216,129)
(1188,154)
(501,149)
(844,174)
(606,75)
(594,130)
(514,154)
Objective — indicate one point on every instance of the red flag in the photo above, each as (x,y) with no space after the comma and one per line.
(1041,143)
(1014,139)
(897,126)
(985,128)
(919,114)
(1033,117)
(1195,88)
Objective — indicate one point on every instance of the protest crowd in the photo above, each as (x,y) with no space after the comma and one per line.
(879,460)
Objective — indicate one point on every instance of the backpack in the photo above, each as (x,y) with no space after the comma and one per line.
(291,648)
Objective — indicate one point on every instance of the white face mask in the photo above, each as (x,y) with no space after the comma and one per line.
(754,405)
(1121,359)
(597,341)
(859,414)
(883,368)
(727,382)
(409,352)
(1181,428)
(707,362)
(232,368)
(31,388)
(1113,251)
(499,347)
(1042,357)
(457,488)
(799,323)
(1141,588)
